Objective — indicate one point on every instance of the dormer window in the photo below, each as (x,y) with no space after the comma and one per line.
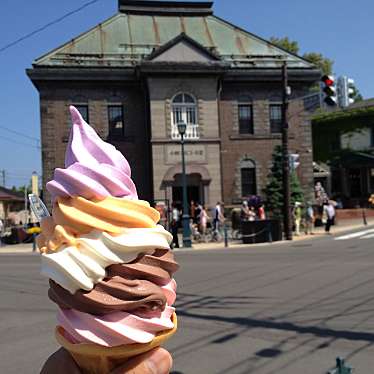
(184,109)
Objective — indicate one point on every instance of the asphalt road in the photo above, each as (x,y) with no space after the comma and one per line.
(282,308)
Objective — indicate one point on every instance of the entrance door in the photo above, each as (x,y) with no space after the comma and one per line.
(354,176)
(193,193)
(195,189)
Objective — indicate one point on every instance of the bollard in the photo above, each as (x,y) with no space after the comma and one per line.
(341,368)
(225,235)
(33,242)
(364,217)
(270,237)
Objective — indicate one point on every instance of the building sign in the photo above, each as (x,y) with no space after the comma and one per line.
(192,152)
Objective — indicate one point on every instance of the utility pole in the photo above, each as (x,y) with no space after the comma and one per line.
(286,164)
(3,177)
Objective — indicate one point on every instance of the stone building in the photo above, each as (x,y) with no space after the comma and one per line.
(155,63)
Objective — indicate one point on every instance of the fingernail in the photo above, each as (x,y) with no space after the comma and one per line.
(159,362)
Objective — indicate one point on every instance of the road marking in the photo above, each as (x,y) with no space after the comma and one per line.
(355,235)
(370,236)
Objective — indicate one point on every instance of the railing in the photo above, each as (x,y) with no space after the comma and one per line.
(192,132)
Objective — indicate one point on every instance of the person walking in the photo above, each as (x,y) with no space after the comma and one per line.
(244,211)
(1,232)
(252,214)
(309,219)
(297,217)
(203,218)
(329,210)
(218,221)
(261,213)
(174,226)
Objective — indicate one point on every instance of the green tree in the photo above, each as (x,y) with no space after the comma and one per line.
(21,189)
(325,64)
(317,59)
(274,188)
(287,44)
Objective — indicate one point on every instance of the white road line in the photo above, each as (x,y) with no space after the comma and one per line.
(367,236)
(355,234)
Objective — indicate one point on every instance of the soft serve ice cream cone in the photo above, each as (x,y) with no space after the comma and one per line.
(109,264)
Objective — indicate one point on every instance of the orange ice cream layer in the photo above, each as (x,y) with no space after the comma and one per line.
(74,216)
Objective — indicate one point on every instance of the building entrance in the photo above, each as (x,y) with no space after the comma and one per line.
(193,193)
(195,189)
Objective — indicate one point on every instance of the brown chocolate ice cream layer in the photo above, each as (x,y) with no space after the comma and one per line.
(158,267)
(128,287)
(110,295)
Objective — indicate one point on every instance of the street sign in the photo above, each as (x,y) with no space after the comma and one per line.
(294,160)
(38,207)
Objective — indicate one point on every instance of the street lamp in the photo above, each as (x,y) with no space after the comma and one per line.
(182,126)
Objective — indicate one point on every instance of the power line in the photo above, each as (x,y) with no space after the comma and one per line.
(20,143)
(32,33)
(19,133)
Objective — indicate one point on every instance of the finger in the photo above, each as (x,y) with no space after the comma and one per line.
(157,361)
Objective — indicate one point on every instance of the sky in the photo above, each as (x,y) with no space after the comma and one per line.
(339,29)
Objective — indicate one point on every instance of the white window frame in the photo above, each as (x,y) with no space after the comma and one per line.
(186,112)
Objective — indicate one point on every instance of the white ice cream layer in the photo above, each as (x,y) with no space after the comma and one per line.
(82,266)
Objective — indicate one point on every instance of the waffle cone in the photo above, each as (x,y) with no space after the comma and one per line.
(97,359)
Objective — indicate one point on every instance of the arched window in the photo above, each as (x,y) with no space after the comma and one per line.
(184,109)
(248,178)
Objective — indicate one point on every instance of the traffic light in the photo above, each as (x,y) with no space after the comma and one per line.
(294,159)
(346,91)
(329,89)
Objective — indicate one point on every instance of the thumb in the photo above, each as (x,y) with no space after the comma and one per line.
(157,361)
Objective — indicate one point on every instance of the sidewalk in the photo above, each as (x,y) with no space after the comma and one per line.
(342,226)
(17,248)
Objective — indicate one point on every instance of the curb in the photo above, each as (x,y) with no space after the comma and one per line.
(317,235)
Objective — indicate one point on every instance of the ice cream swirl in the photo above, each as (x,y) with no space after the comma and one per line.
(83,264)
(127,287)
(94,169)
(110,215)
(116,328)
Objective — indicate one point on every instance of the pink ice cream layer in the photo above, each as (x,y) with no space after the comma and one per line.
(114,329)
(94,169)
(169,291)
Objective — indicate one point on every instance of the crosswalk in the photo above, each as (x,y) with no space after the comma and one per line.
(364,234)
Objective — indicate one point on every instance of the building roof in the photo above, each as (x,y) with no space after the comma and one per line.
(362,104)
(141,27)
(9,195)
(353,159)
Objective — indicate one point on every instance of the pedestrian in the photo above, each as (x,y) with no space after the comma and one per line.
(198,209)
(309,219)
(192,210)
(174,226)
(203,221)
(329,210)
(297,217)
(252,214)
(218,220)
(1,232)
(244,211)
(261,212)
